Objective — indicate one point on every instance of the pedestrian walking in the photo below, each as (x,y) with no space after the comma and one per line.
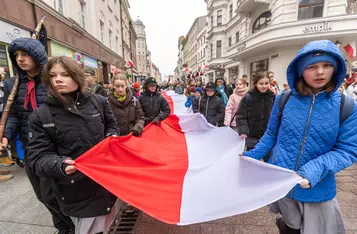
(254,111)
(69,123)
(126,108)
(154,105)
(314,133)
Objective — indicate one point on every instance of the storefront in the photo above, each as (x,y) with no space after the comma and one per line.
(8,33)
(92,63)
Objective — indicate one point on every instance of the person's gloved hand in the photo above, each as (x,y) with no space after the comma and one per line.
(135,133)
(156,121)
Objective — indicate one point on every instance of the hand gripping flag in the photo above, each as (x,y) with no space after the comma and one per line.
(185,171)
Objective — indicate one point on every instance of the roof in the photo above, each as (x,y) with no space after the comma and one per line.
(138,22)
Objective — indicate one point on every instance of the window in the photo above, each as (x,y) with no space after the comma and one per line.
(230,41)
(82,15)
(115,2)
(101,31)
(219,49)
(231,11)
(212,21)
(219,17)
(204,39)
(310,9)
(211,50)
(58,5)
(259,66)
(262,21)
(237,37)
(117,43)
(110,38)
(204,52)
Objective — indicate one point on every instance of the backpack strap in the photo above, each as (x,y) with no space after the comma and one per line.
(98,105)
(248,98)
(284,98)
(346,107)
(45,115)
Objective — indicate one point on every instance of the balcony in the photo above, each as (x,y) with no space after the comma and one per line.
(246,6)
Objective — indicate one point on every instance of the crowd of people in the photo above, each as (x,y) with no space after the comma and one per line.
(60,112)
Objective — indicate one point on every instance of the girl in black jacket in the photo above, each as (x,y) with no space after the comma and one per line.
(254,111)
(76,122)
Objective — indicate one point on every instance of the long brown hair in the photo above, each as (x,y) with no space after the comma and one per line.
(304,89)
(72,68)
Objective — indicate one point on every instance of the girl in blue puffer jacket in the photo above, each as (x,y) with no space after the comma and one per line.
(311,141)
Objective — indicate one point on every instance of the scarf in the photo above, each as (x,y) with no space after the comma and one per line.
(120,98)
(30,95)
(223,94)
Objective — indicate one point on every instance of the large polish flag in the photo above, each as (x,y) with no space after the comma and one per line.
(185,171)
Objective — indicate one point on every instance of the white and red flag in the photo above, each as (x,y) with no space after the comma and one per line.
(185,171)
(351,49)
(131,64)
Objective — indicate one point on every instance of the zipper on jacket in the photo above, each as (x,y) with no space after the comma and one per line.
(207,107)
(305,137)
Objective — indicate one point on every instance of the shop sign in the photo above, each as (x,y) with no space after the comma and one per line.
(90,62)
(59,50)
(322,27)
(9,32)
(77,56)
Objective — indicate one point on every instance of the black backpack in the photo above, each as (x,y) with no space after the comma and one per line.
(45,115)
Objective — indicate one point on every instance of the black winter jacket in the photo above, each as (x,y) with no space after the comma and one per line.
(254,112)
(154,106)
(78,126)
(18,117)
(212,108)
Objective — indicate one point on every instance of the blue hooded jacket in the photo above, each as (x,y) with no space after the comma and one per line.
(311,140)
(18,118)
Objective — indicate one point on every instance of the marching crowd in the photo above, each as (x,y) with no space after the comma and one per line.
(60,112)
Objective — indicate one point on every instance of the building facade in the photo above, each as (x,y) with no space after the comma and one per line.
(141,50)
(249,36)
(69,32)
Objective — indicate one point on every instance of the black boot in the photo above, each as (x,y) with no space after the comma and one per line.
(285,229)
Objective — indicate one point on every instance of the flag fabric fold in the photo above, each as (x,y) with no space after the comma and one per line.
(185,170)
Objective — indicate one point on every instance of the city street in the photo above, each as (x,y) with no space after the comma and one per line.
(22,213)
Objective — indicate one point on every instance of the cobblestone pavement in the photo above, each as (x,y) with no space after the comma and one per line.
(261,221)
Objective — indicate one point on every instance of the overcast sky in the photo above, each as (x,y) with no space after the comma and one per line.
(165,21)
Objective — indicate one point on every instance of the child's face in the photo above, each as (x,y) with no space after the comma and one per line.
(318,75)
(240,85)
(192,94)
(197,94)
(210,92)
(25,61)
(263,85)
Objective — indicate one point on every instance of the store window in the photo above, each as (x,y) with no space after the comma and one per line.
(3,61)
(310,9)
(262,21)
(258,66)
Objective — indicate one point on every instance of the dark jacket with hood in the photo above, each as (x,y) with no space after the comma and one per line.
(78,127)
(211,107)
(18,117)
(129,114)
(254,112)
(154,106)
